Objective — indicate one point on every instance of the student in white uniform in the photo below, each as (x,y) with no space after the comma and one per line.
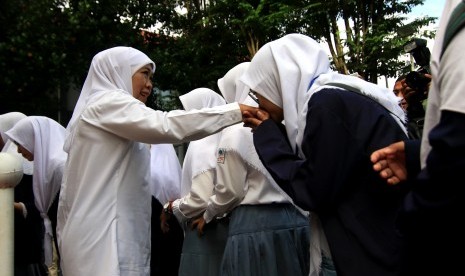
(201,254)
(268,234)
(105,203)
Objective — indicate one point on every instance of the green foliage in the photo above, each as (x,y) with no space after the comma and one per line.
(46,46)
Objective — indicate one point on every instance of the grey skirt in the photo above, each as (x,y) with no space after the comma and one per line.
(268,240)
(202,255)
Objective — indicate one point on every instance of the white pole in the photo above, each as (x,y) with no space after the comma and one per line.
(6,232)
(11,172)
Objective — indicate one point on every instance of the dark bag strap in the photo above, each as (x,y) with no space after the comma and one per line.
(455,24)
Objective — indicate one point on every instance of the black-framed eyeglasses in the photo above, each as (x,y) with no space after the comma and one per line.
(252,95)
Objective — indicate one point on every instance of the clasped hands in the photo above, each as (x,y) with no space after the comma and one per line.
(253,116)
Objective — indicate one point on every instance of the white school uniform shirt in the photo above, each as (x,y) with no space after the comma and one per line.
(241,176)
(198,170)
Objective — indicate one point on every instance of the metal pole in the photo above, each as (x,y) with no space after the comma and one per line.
(6,232)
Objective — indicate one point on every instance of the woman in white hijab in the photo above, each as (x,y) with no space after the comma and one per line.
(28,225)
(320,156)
(40,139)
(104,211)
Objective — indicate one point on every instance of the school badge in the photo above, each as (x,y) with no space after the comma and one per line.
(221,156)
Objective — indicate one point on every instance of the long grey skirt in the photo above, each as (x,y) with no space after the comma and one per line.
(268,240)
(201,255)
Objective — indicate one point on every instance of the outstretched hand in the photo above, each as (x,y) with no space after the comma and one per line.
(390,163)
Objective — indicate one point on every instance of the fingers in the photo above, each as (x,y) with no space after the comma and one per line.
(200,231)
(165,227)
(380,165)
(393,180)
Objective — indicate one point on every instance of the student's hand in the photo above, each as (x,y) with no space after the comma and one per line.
(253,120)
(390,163)
(199,223)
(164,218)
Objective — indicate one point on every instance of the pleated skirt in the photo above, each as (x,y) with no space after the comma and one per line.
(268,240)
(202,255)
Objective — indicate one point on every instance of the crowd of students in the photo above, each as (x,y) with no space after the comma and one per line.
(324,176)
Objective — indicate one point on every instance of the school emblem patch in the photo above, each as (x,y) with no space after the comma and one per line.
(221,156)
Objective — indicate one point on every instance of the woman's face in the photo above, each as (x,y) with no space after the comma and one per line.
(276,112)
(142,83)
(25,153)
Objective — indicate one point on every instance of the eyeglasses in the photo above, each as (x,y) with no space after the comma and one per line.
(252,95)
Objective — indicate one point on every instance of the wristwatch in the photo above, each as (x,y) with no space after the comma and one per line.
(167,208)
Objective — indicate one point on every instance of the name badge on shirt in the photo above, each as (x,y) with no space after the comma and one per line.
(221,156)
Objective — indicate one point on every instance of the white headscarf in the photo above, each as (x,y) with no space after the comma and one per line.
(165,181)
(44,138)
(230,82)
(7,121)
(289,70)
(201,154)
(110,70)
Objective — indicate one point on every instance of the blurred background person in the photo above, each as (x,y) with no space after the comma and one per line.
(40,139)
(167,235)
(28,224)
(429,218)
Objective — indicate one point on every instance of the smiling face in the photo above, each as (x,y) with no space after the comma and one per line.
(142,83)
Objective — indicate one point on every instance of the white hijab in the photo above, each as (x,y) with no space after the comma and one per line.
(44,138)
(110,70)
(201,154)
(7,121)
(289,70)
(230,82)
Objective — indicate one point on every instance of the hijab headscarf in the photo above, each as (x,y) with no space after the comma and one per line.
(201,154)
(7,121)
(230,82)
(110,70)
(44,138)
(289,70)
